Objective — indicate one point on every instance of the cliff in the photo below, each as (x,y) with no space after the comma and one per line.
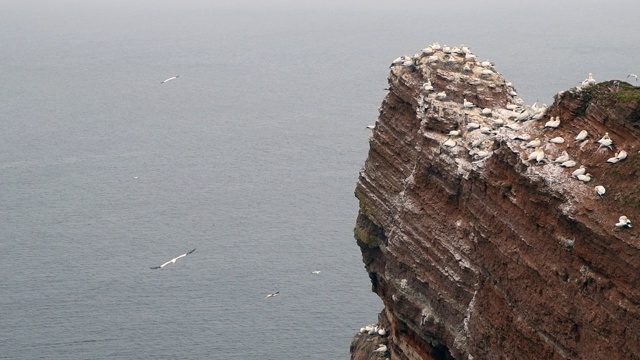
(480,253)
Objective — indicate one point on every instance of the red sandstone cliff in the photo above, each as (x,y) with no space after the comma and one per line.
(479,253)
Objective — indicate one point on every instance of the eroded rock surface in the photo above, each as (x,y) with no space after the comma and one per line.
(480,253)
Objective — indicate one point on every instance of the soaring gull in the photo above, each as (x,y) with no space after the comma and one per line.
(172,261)
(169,79)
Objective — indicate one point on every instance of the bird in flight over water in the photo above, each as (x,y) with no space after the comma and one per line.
(169,79)
(172,261)
(272,294)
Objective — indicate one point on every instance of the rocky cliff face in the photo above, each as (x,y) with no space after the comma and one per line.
(480,249)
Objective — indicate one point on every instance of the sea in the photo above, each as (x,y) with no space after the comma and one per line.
(250,156)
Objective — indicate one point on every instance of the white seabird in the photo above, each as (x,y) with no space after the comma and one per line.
(467,104)
(450,143)
(316,272)
(169,79)
(621,155)
(534,143)
(623,221)
(633,75)
(584,178)
(605,141)
(613,160)
(381,348)
(172,261)
(600,190)
(557,140)
(568,164)
(537,155)
(582,135)
(580,171)
(553,123)
(371,127)
(454,133)
(562,158)
(272,294)
(441,95)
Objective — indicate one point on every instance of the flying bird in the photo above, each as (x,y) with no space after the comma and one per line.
(272,294)
(633,76)
(169,79)
(172,261)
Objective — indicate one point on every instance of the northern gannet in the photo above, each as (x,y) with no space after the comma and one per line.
(584,178)
(467,104)
(553,123)
(622,155)
(454,133)
(562,158)
(579,171)
(172,261)
(450,143)
(557,140)
(613,160)
(169,79)
(568,164)
(272,294)
(441,95)
(600,190)
(316,272)
(473,126)
(537,155)
(381,348)
(582,135)
(534,143)
(605,141)
(633,75)
(371,127)
(623,221)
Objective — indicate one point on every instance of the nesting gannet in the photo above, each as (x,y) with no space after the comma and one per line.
(600,190)
(454,133)
(523,137)
(381,348)
(633,75)
(486,72)
(473,126)
(441,95)
(432,59)
(613,160)
(173,261)
(534,143)
(537,155)
(557,140)
(623,221)
(169,79)
(272,294)
(436,46)
(562,158)
(450,143)
(498,122)
(621,155)
(446,49)
(588,81)
(427,86)
(486,63)
(553,123)
(382,332)
(584,178)
(486,130)
(582,135)
(466,68)
(486,112)
(467,104)
(579,171)
(568,164)
(605,141)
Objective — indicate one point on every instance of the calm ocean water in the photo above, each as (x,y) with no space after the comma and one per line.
(250,156)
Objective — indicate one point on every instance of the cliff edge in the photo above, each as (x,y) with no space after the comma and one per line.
(475,231)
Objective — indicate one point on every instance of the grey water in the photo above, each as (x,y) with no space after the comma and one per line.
(250,156)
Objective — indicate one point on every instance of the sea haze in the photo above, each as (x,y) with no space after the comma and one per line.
(250,156)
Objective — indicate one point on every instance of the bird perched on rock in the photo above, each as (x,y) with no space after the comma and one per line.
(557,140)
(580,171)
(613,160)
(534,143)
(562,158)
(537,155)
(568,164)
(584,178)
(582,135)
(553,123)
(381,348)
(467,104)
(623,222)
(600,190)
(605,141)
(621,155)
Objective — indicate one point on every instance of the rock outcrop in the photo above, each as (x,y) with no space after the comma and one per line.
(479,243)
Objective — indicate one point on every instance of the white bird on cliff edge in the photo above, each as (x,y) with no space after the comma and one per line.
(580,171)
(622,155)
(562,158)
(588,81)
(553,122)
(568,164)
(172,261)
(371,127)
(623,221)
(605,141)
(600,190)
(381,348)
(169,79)
(582,135)
(584,178)
(272,294)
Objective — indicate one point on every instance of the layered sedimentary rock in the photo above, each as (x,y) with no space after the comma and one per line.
(480,249)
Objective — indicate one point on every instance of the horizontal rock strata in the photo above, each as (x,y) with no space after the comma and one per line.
(480,244)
